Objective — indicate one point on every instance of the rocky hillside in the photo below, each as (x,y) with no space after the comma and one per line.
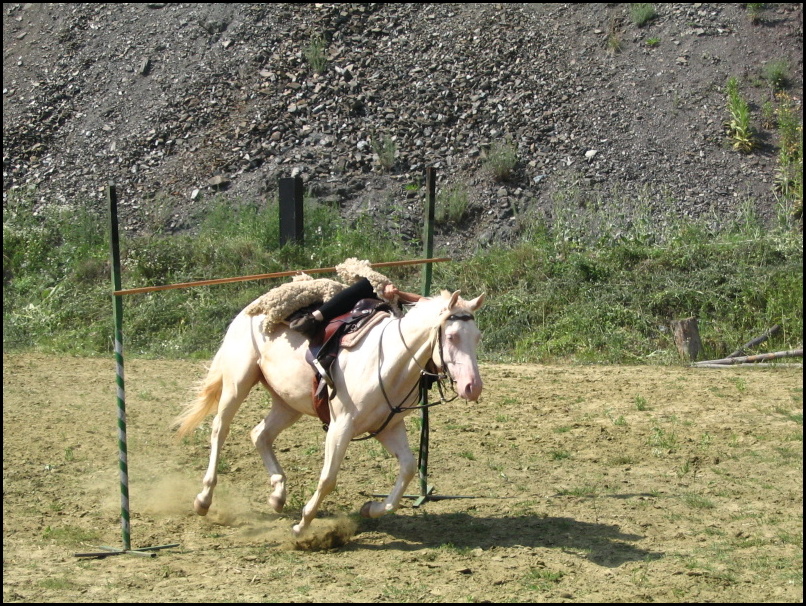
(178,102)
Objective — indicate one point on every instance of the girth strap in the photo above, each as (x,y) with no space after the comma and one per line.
(325,348)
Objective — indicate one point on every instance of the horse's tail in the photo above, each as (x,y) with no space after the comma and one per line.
(205,402)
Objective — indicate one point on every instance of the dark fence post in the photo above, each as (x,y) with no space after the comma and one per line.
(428,232)
(291,226)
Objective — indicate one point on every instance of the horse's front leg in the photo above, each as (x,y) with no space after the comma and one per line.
(338,438)
(394,439)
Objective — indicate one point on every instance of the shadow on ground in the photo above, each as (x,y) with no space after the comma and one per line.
(602,544)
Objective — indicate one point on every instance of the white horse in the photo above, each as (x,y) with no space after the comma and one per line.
(373,380)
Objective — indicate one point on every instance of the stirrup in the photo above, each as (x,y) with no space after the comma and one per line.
(325,376)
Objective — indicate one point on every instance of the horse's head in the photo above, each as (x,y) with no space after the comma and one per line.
(460,336)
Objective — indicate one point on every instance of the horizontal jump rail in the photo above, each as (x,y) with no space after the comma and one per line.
(277,274)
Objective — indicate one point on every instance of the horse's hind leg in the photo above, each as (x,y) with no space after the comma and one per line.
(280,417)
(234,390)
(396,442)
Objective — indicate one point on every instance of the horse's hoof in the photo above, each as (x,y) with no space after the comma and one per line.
(366,509)
(277,503)
(375,509)
(200,508)
(297,529)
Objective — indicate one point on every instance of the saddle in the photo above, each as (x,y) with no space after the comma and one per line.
(341,332)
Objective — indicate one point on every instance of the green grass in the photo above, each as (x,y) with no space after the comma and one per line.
(559,455)
(69,535)
(600,286)
(541,579)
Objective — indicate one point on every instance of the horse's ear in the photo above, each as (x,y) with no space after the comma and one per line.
(454,299)
(476,303)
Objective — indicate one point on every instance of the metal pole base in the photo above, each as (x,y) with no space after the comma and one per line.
(429,495)
(145,552)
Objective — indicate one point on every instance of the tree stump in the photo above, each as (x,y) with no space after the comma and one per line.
(687,338)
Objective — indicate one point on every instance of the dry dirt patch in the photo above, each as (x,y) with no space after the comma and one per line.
(594,483)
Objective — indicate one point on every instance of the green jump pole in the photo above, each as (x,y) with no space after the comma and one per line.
(117,314)
(123,458)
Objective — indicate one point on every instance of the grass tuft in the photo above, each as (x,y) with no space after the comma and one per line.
(501,160)
(642,13)
(315,54)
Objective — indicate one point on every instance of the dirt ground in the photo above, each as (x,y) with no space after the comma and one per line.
(588,483)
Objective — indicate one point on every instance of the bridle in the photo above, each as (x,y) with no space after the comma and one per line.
(427,377)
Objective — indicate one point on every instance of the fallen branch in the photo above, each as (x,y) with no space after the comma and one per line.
(793,353)
(756,341)
(751,364)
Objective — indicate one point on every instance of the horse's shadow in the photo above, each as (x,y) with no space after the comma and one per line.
(602,544)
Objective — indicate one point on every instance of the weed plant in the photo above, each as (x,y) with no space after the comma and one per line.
(789,174)
(739,128)
(598,286)
(613,41)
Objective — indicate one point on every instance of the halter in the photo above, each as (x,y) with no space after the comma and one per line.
(438,377)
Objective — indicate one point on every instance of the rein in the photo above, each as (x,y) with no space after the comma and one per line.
(426,378)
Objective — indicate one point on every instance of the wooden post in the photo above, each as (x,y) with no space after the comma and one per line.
(291,225)
(428,235)
(687,338)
